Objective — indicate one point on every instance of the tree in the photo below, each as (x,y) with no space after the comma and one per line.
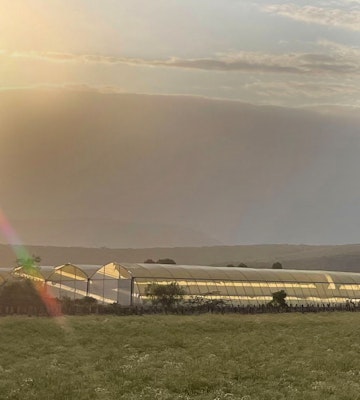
(165,295)
(28,262)
(149,261)
(277,265)
(166,261)
(279,299)
(241,265)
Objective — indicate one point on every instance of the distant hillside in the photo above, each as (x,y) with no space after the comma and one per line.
(341,257)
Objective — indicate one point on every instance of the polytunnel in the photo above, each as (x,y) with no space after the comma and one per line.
(126,283)
(247,286)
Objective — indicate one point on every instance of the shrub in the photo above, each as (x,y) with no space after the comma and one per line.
(279,299)
(20,292)
(165,295)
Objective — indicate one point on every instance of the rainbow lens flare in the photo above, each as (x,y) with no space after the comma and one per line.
(21,253)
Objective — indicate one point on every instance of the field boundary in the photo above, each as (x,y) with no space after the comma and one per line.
(116,309)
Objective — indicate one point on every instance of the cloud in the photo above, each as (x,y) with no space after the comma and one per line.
(66,57)
(312,90)
(252,154)
(72,87)
(336,17)
(336,59)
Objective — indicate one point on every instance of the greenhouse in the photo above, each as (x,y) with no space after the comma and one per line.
(126,284)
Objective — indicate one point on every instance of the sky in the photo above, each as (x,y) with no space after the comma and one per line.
(263,52)
(137,123)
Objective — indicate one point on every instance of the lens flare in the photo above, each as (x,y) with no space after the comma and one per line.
(21,253)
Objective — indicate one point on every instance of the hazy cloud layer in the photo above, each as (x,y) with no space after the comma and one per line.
(333,59)
(336,17)
(307,89)
(229,170)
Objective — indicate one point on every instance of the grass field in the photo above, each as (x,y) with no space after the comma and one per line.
(263,357)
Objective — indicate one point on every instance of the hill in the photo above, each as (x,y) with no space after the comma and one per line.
(341,257)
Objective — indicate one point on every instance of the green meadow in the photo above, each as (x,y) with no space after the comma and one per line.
(205,357)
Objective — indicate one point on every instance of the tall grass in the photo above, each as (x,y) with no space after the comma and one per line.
(262,357)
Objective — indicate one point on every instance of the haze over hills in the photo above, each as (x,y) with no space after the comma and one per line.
(175,171)
(338,258)
(99,232)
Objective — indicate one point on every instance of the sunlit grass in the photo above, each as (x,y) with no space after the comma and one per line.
(264,357)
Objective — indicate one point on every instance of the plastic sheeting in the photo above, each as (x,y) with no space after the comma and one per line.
(126,283)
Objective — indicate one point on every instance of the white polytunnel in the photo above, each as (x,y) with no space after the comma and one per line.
(126,283)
